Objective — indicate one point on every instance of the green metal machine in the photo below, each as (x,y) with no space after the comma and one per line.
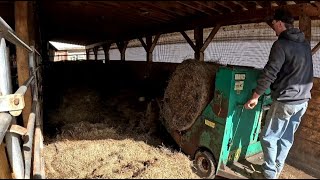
(226,135)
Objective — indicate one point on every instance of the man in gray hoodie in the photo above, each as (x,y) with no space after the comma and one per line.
(289,74)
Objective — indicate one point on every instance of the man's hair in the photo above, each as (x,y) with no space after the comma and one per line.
(284,16)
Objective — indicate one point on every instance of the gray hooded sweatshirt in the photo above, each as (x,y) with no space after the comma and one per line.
(289,70)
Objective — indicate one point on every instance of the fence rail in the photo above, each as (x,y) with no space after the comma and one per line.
(27,162)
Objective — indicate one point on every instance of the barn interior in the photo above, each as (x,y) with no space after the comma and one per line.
(110,100)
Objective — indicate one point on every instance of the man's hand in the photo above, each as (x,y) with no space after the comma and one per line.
(253,101)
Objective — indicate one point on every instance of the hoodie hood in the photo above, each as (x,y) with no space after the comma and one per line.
(293,34)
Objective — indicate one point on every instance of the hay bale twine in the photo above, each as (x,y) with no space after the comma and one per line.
(190,89)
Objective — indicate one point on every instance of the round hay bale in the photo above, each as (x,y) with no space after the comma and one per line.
(190,89)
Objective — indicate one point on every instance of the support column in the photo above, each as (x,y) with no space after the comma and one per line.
(198,36)
(87,53)
(149,44)
(122,46)
(305,26)
(149,47)
(31,24)
(106,49)
(95,51)
(21,29)
(200,47)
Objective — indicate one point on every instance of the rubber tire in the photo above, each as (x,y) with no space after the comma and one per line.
(205,166)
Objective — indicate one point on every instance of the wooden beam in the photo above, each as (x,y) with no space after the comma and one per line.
(233,7)
(154,42)
(194,6)
(198,36)
(281,3)
(22,31)
(113,7)
(143,44)
(222,7)
(146,13)
(297,2)
(315,48)
(90,46)
(161,11)
(186,37)
(210,6)
(247,5)
(243,6)
(210,37)
(150,45)
(249,16)
(176,7)
(264,4)
(305,26)
(5,172)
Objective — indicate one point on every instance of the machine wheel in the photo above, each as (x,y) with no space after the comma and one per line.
(205,165)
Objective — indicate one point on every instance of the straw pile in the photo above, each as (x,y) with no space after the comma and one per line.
(189,91)
(87,150)
(110,137)
(86,104)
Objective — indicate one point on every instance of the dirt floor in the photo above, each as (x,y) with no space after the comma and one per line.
(113,132)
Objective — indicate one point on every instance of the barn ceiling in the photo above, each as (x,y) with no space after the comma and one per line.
(88,22)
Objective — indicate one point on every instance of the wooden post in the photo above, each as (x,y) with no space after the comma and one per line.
(88,53)
(31,24)
(21,29)
(95,51)
(305,26)
(149,47)
(122,46)
(149,44)
(106,49)
(5,172)
(198,36)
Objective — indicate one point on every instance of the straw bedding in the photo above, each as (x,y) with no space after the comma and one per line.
(88,150)
(112,137)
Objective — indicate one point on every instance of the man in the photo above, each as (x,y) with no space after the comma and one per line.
(289,74)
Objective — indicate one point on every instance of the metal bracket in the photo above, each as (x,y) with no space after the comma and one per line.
(18,129)
(14,103)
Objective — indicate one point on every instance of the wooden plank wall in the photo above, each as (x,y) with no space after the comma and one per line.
(5,172)
(305,152)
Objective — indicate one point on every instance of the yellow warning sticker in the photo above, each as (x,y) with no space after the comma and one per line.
(209,123)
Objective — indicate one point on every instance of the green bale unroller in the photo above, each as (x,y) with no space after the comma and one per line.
(223,139)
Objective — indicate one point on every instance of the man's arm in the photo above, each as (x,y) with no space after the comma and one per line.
(268,75)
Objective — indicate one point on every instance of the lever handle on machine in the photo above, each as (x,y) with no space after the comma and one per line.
(266,107)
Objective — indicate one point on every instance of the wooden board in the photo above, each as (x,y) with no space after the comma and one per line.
(5,172)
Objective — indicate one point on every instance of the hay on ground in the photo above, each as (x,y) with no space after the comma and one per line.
(91,151)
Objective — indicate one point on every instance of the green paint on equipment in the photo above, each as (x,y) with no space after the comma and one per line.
(225,128)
